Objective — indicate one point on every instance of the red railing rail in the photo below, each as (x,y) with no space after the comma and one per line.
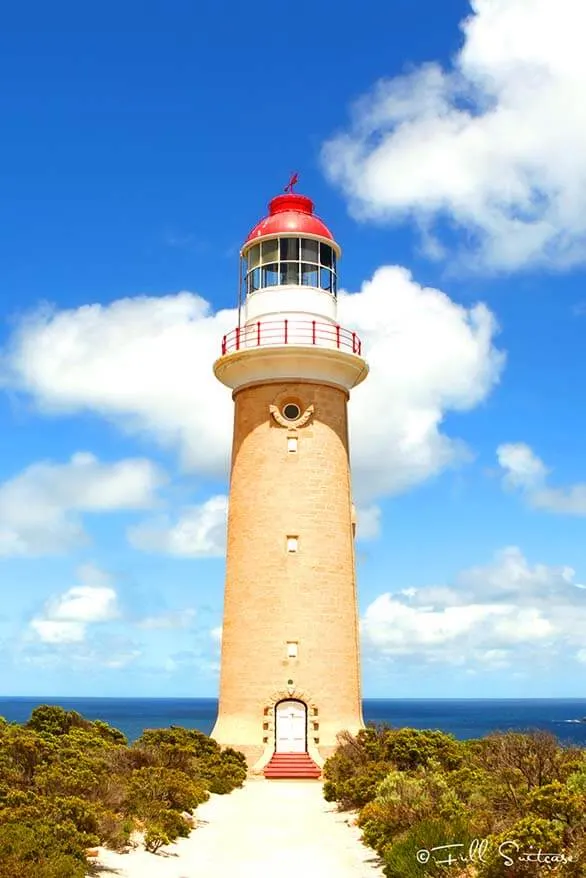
(264,333)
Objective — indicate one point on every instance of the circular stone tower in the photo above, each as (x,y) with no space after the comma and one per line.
(290,668)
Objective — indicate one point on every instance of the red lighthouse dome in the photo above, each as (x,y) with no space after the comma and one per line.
(290,214)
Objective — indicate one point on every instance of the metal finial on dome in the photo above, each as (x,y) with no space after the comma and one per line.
(293,180)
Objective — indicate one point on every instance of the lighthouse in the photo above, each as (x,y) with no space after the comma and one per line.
(290,660)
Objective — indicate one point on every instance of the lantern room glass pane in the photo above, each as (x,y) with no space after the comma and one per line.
(325,279)
(289,249)
(253,256)
(253,280)
(270,251)
(325,255)
(270,275)
(290,273)
(309,275)
(309,251)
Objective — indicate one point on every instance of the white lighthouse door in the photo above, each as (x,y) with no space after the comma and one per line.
(290,717)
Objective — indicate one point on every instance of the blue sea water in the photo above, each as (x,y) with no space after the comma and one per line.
(464,718)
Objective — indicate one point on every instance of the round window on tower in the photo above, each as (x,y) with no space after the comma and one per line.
(291,411)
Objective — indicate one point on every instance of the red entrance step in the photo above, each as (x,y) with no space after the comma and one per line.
(291,766)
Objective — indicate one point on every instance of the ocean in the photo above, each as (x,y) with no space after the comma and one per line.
(464,718)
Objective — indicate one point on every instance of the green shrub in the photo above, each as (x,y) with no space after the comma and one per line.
(68,784)
(358,789)
(41,851)
(404,800)
(151,790)
(409,749)
(164,828)
(529,834)
(434,790)
(412,855)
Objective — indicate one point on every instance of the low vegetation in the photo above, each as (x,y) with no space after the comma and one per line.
(68,784)
(506,802)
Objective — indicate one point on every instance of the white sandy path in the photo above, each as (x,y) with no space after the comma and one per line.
(267,828)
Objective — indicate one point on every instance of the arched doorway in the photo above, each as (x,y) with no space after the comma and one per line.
(290,727)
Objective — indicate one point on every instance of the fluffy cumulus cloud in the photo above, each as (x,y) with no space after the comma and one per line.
(65,618)
(40,508)
(506,613)
(199,531)
(145,363)
(427,356)
(495,143)
(524,470)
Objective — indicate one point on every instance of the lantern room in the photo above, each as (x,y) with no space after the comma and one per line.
(289,261)
(289,247)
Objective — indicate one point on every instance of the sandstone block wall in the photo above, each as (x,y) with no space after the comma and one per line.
(273,596)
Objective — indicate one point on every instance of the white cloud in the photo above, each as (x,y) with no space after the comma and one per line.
(368,522)
(523,469)
(200,531)
(216,634)
(40,508)
(51,631)
(147,364)
(427,356)
(144,362)
(503,614)
(495,144)
(65,619)
(122,660)
(176,619)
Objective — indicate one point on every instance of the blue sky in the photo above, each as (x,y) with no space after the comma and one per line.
(141,143)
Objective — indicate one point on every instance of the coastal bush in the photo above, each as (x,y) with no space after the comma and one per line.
(152,789)
(358,789)
(360,762)
(220,771)
(419,790)
(68,784)
(163,828)
(403,800)
(40,850)
(416,852)
(507,852)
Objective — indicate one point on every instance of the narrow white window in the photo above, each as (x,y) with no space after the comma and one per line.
(291,649)
(292,544)
(292,444)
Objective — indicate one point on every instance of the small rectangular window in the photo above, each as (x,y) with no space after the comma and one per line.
(292,444)
(289,249)
(291,649)
(292,544)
